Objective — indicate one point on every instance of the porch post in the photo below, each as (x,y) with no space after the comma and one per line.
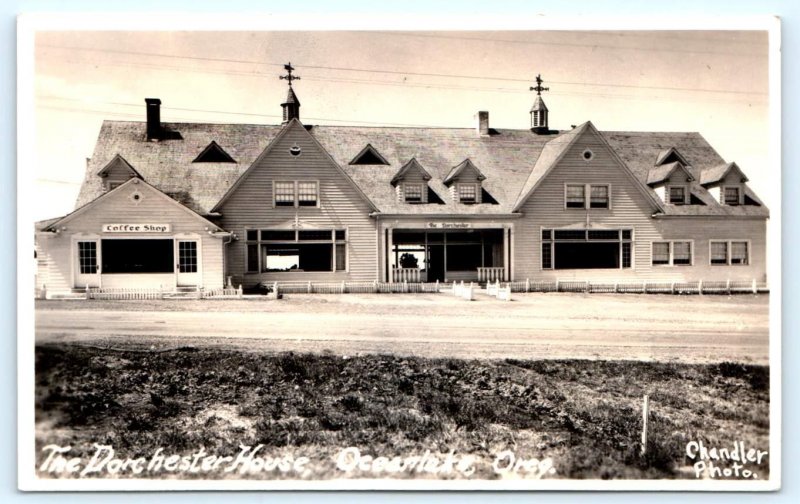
(390,253)
(505,254)
(512,234)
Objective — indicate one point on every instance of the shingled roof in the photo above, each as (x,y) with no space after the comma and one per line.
(511,161)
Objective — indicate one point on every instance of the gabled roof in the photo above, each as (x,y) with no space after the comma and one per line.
(718,173)
(510,159)
(52,225)
(368,155)
(214,154)
(670,155)
(118,161)
(555,150)
(659,174)
(298,126)
(459,169)
(412,164)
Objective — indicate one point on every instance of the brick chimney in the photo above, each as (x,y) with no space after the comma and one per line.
(482,124)
(154,130)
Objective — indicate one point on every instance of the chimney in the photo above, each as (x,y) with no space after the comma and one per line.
(153,118)
(482,126)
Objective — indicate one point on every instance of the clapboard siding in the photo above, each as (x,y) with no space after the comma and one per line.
(119,207)
(630,209)
(701,231)
(341,207)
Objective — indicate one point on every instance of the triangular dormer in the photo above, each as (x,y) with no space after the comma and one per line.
(408,171)
(465,171)
(116,172)
(465,183)
(369,156)
(673,171)
(726,183)
(411,183)
(670,155)
(213,154)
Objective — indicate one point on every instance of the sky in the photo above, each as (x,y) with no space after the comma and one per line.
(712,82)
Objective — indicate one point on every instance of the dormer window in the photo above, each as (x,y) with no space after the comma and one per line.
(677,195)
(413,193)
(467,193)
(731,196)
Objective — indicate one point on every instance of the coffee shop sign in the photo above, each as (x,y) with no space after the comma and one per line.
(136,228)
(449,225)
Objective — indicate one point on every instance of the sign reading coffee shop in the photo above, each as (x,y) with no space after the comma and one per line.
(136,228)
(448,225)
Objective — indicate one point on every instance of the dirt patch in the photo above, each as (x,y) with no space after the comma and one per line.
(584,415)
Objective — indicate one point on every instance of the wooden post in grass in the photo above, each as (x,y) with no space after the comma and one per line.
(645,416)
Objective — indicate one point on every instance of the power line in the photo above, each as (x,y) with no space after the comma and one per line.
(379,71)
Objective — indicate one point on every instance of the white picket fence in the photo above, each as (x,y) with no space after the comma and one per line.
(651,287)
(353,287)
(134,294)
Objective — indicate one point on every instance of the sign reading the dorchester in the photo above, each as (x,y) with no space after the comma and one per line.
(136,228)
(448,225)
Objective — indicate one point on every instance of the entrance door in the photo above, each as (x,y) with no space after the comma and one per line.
(87,267)
(188,271)
(435,263)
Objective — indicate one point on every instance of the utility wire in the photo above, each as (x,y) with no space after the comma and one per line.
(379,71)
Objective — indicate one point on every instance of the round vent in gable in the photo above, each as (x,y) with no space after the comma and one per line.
(587,155)
(295,150)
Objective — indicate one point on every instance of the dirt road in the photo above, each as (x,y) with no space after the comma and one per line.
(667,328)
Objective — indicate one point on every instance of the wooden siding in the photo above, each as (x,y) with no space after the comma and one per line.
(341,206)
(57,255)
(630,209)
(703,230)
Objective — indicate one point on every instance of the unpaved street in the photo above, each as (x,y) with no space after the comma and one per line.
(687,329)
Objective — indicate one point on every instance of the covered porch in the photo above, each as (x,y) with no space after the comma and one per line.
(474,254)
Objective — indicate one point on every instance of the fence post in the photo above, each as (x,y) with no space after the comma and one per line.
(728,286)
(437,285)
(644,287)
(309,287)
(343,290)
(557,286)
(645,417)
(87,291)
(672,288)
(275,288)
(527,285)
(755,287)
(616,288)
(700,287)
(375,286)
(240,291)
(405,286)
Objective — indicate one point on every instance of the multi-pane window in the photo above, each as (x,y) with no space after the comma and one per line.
(675,253)
(547,255)
(599,196)
(586,248)
(593,195)
(187,256)
(468,193)
(576,196)
(284,193)
(87,257)
(297,193)
(735,252)
(307,193)
(677,195)
(276,250)
(731,196)
(412,193)
(719,252)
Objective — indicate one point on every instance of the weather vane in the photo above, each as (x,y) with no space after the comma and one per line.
(538,88)
(289,68)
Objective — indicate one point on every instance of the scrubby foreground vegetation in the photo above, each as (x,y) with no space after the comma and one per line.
(583,415)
